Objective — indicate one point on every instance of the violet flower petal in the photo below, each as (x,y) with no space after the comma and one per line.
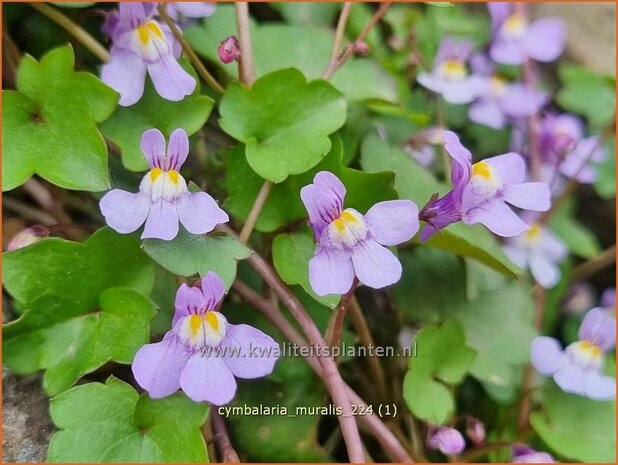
(547,355)
(189,300)
(213,290)
(153,147)
(125,73)
(206,378)
(544,39)
(162,222)
(199,213)
(392,222)
(177,149)
(529,196)
(497,217)
(124,212)
(375,265)
(331,271)
(599,328)
(249,352)
(171,81)
(157,367)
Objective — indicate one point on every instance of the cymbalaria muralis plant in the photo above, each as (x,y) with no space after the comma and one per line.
(308,232)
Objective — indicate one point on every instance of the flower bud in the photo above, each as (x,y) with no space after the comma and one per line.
(521,453)
(229,50)
(579,298)
(563,144)
(360,48)
(449,441)
(26,237)
(475,429)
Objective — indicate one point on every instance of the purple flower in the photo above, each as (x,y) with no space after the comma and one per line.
(520,453)
(351,244)
(565,150)
(449,76)
(578,368)
(514,38)
(498,101)
(419,146)
(229,50)
(141,44)
(449,441)
(202,353)
(163,198)
(481,192)
(475,429)
(539,250)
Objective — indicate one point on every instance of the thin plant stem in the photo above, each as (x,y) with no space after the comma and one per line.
(361,328)
(246,69)
(195,60)
(74,29)
(227,453)
(596,263)
(446,159)
(335,326)
(371,423)
(339,33)
(255,211)
(347,53)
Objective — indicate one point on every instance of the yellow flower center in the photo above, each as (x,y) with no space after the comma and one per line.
(515,25)
(347,230)
(454,69)
(482,169)
(147,30)
(593,349)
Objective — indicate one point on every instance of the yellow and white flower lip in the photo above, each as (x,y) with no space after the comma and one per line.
(514,26)
(347,230)
(585,354)
(199,330)
(149,42)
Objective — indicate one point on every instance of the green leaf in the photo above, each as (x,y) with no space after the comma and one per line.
(291,254)
(127,124)
(69,346)
(576,427)
(189,254)
(284,206)
(416,183)
(578,238)
(284,122)
(443,359)
(73,4)
(75,270)
(75,317)
(307,13)
(304,47)
(112,423)
(588,94)
(49,124)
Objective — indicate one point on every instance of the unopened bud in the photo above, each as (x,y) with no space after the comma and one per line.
(229,50)
(26,237)
(449,441)
(563,144)
(360,48)
(475,429)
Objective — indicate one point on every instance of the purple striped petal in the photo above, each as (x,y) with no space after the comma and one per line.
(153,147)
(177,149)
(189,300)
(323,200)
(213,290)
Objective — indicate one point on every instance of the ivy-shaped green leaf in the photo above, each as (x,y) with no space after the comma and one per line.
(284,121)
(75,317)
(49,124)
(112,423)
(576,427)
(68,346)
(442,359)
(291,254)
(284,206)
(190,254)
(127,124)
